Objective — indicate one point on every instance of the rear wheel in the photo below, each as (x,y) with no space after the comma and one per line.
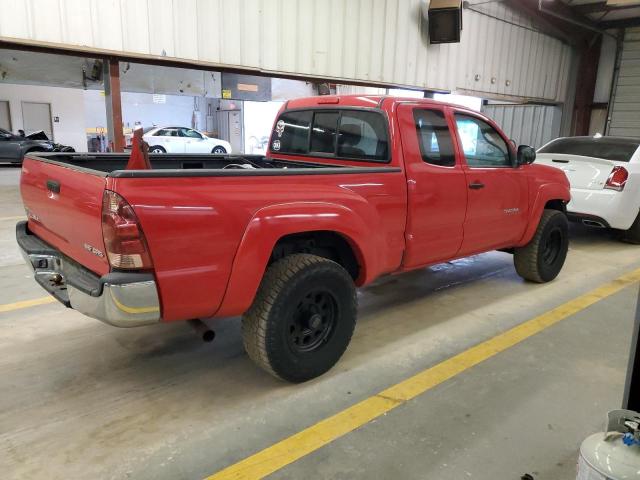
(302,318)
(157,149)
(633,234)
(542,258)
(219,150)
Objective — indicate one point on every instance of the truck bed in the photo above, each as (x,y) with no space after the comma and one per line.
(190,165)
(197,210)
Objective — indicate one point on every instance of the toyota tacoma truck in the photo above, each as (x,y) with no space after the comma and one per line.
(351,188)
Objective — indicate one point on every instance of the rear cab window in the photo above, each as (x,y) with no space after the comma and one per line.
(343,134)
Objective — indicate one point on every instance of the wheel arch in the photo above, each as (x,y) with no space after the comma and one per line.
(327,230)
(552,196)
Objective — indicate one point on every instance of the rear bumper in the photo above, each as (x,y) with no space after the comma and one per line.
(615,209)
(119,299)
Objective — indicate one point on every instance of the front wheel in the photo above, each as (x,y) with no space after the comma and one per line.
(542,258)
(219,150)
(157,149)
(302,318)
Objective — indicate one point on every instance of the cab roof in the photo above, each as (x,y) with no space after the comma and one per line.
(367,101)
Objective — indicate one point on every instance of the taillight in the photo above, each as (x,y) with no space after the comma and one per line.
(617,179)
(123,238)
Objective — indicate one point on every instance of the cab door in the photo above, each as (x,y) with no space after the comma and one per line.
(194,142)
(497,191)
(437,188)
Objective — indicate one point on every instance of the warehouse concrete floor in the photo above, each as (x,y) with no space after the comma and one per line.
(80,399)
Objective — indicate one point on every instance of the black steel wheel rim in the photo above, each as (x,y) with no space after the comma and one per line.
(552,247)
(312,322)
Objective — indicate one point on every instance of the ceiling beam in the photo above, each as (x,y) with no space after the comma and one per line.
(622,23)
(601,7)
(563,20)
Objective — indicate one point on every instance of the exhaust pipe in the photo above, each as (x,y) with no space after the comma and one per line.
(593,223)
(202,329)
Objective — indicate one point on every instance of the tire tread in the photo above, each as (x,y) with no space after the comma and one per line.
(256,320)
(525,258)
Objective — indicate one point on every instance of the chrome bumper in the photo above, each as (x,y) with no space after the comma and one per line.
(119,299)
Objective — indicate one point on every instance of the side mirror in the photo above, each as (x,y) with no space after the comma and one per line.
(526,155)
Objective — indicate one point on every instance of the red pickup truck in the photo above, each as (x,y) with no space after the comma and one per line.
(352,188)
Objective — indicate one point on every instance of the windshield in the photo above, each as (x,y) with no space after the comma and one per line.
(615,149)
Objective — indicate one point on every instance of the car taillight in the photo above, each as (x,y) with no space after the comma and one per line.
(123,238)
(617,179)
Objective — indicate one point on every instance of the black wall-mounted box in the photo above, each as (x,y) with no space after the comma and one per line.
(445,21)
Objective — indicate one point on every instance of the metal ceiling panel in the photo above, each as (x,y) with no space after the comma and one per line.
(371,41)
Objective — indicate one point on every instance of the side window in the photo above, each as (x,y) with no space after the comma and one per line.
(167,132)
(323,135)
(362,135)
(291,134)
(482,144)
(187,132)
(434,137)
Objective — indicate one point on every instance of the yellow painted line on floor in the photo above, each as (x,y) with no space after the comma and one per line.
(19,217)
(316,436)
(9,307)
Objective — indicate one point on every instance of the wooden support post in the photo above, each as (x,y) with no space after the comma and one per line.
(586,85)
(114,105)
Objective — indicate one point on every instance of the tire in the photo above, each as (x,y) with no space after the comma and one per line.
(632,235)
(302,318)
(157,149)
(542,258)
(219,150)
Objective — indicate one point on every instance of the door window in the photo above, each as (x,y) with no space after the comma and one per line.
(434,137)
(187,132)
(482,144)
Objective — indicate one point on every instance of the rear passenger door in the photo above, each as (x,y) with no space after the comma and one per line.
(169,139)
(437,187)
(497,192)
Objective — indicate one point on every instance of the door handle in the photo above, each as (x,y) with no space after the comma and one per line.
(476,185)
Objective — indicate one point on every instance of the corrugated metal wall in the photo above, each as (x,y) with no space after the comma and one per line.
(625,112)
(372,41)
(532,125)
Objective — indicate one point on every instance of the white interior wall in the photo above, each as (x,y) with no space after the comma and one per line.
(139,107)
(258,121)
(66,103)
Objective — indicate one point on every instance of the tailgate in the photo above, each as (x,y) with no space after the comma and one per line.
(64,207)
(583,172)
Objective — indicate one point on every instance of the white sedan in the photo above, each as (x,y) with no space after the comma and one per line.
(183,140)
(604,173)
